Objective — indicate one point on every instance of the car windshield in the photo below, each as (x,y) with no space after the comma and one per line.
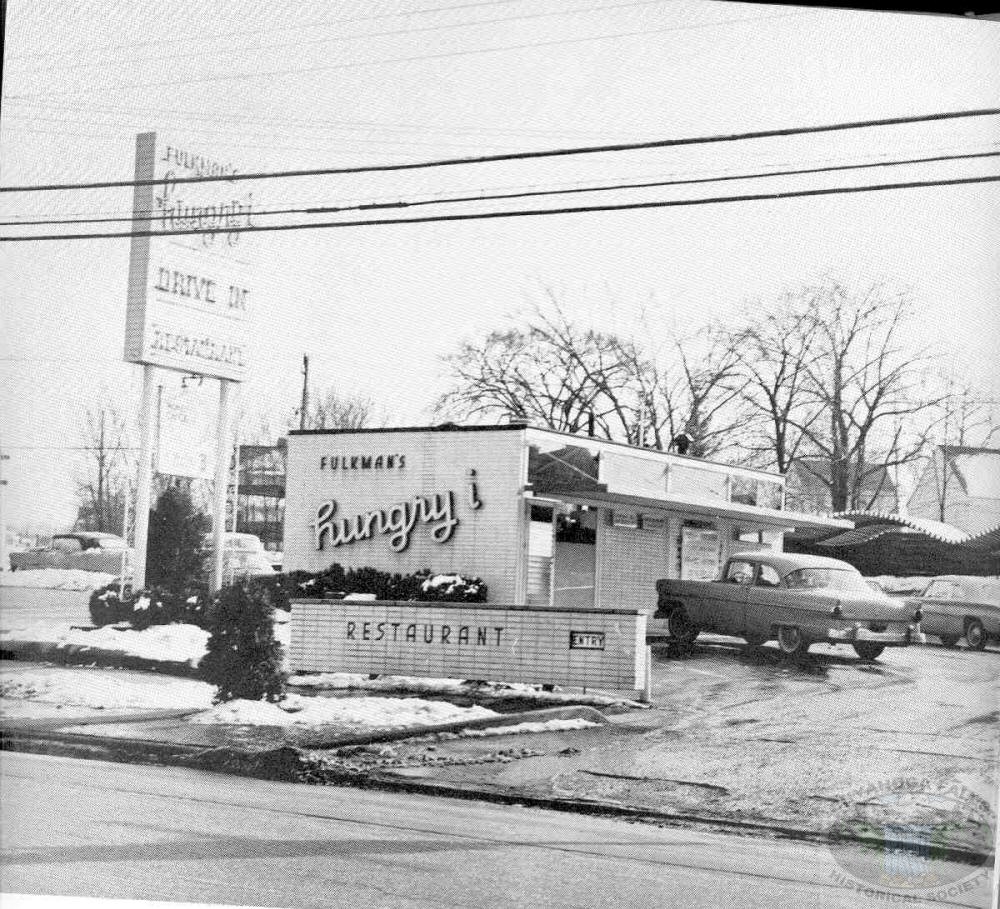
(839,579)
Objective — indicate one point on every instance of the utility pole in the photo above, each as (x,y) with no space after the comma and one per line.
(305,391)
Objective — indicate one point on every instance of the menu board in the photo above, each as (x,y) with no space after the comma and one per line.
(699,554)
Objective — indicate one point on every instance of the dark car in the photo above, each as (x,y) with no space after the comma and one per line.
(796,600)
(960,606)
(82,550)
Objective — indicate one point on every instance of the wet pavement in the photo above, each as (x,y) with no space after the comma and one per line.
(905,747)
(739,733)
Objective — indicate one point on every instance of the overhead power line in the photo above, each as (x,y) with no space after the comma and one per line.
(418,58)
(520,156)
(479,216)
(259,49)
(524,194)
(301,26)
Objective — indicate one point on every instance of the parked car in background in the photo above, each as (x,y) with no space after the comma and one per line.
(243,556)
(81,550)
(796,600)
(960,606)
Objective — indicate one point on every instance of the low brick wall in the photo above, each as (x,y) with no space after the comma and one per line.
(598,648)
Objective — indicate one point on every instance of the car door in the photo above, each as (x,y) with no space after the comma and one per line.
(762,604)
(942,614)
(728,601)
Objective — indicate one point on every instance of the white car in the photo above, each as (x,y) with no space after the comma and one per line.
(82,550)
(244,556)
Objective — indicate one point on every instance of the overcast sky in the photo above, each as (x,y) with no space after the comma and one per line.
(283,85)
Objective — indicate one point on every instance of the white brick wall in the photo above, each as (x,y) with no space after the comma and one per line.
(629,563)
(521,644)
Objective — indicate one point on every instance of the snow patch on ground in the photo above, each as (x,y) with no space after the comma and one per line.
(519,728)
(345,681)
(77,691)
(167,643)
(356,713)
(56,578)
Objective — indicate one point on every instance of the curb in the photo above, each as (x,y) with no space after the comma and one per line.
(285,763)
(80,655)
(610,809)
(579,712)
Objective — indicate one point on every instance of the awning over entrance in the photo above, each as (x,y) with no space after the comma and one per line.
(769,517)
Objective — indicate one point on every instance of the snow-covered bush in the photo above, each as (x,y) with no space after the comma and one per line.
(336,581)
(144,608)
(453,588)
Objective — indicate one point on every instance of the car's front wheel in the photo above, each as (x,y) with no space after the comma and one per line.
(680,626)
(791,640)
(868,650)
(975,634)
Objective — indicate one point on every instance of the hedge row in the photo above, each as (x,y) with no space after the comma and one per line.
(161,606)
(421,585)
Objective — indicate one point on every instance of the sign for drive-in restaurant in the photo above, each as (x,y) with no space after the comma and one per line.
(188,295)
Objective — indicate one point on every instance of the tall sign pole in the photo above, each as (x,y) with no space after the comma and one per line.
(188,300)
(223,464)
(145,480)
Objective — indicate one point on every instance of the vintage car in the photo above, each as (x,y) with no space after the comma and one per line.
(957,606)
(83,550)
(244,556)
(796,600)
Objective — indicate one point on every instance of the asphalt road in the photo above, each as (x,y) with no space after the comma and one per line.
(90,828)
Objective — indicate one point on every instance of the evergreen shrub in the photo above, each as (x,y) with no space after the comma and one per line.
(243,659)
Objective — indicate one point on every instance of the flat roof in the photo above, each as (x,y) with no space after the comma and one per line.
(441,427)
(494,427)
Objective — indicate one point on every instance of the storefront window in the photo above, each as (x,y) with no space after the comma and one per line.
(686,480)
(577,524)
(562,470)
(744,491)
(769,494)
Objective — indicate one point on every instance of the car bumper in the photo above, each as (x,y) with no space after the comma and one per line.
(911,635)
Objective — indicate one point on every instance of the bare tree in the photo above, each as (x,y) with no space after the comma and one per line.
(549,371)
(334,410)
(774,352)
(700,392)
(866,410)
(101,488)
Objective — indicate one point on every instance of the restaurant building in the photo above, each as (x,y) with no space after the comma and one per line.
(544,518)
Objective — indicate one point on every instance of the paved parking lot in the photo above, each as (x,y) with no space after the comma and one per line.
(740,733)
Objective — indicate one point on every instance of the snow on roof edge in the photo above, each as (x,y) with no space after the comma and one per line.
(937,530)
